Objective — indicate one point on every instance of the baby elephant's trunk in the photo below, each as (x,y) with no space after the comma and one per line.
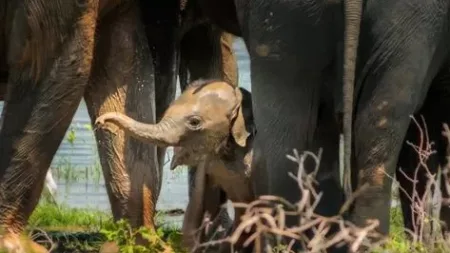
(165,133)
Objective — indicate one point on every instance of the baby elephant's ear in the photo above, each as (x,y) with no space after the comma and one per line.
(238,126)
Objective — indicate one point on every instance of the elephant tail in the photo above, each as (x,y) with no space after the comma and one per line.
(353,13)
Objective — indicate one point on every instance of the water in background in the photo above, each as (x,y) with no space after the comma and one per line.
(76,166)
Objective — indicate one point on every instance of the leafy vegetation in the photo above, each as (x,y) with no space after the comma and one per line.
(159,240)
(85,230)
(399,243)
(51,217)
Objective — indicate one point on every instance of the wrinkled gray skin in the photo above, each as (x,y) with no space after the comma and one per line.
(210,129)
(54,53)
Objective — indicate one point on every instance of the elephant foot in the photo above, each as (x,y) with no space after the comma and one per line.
(12,243)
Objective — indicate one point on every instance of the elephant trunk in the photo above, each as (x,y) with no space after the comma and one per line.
(353,12)
(165,133)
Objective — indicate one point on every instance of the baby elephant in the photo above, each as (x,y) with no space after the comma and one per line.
(211,127)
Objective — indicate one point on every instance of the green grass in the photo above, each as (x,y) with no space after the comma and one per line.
(56,217)
(398,242)
(89,229)
(85,230)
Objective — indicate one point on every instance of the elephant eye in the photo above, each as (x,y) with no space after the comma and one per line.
(194,122)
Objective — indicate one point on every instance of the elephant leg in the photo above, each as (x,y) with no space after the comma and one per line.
(288,73)
(379,134)
(208,203)
(122,81)
(202,201)
(214,200)
(393,84)
(205,199)
(161,20)
(327,136)
(328,176)
(207,52)
(195,208)
(230,71)
(44,91)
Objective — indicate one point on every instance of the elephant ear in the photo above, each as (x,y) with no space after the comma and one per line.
(238,126)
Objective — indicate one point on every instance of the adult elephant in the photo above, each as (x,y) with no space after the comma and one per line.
(120,56)
(295,49)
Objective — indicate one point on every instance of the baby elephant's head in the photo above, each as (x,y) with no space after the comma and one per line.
(206,116)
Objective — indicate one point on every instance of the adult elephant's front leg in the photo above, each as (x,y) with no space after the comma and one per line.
(292,53)
(207,52)
(122,81)
(44,91)
(161,22)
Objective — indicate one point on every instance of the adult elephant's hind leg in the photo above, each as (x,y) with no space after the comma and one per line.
(393,86)
(122,81)
(39,108)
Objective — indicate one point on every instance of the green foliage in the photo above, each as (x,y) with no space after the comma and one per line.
(126,238)
(71,136)
(88,127)
(399,243)
(54,217)
(281,249)
(89,229)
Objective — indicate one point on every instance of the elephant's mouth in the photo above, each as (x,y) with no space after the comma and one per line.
(193,155)
(183,156)
(177,157)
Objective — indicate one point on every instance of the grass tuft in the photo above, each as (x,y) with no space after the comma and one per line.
(60,217)
(66,229)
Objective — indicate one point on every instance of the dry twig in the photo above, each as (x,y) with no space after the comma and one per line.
(267,215)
